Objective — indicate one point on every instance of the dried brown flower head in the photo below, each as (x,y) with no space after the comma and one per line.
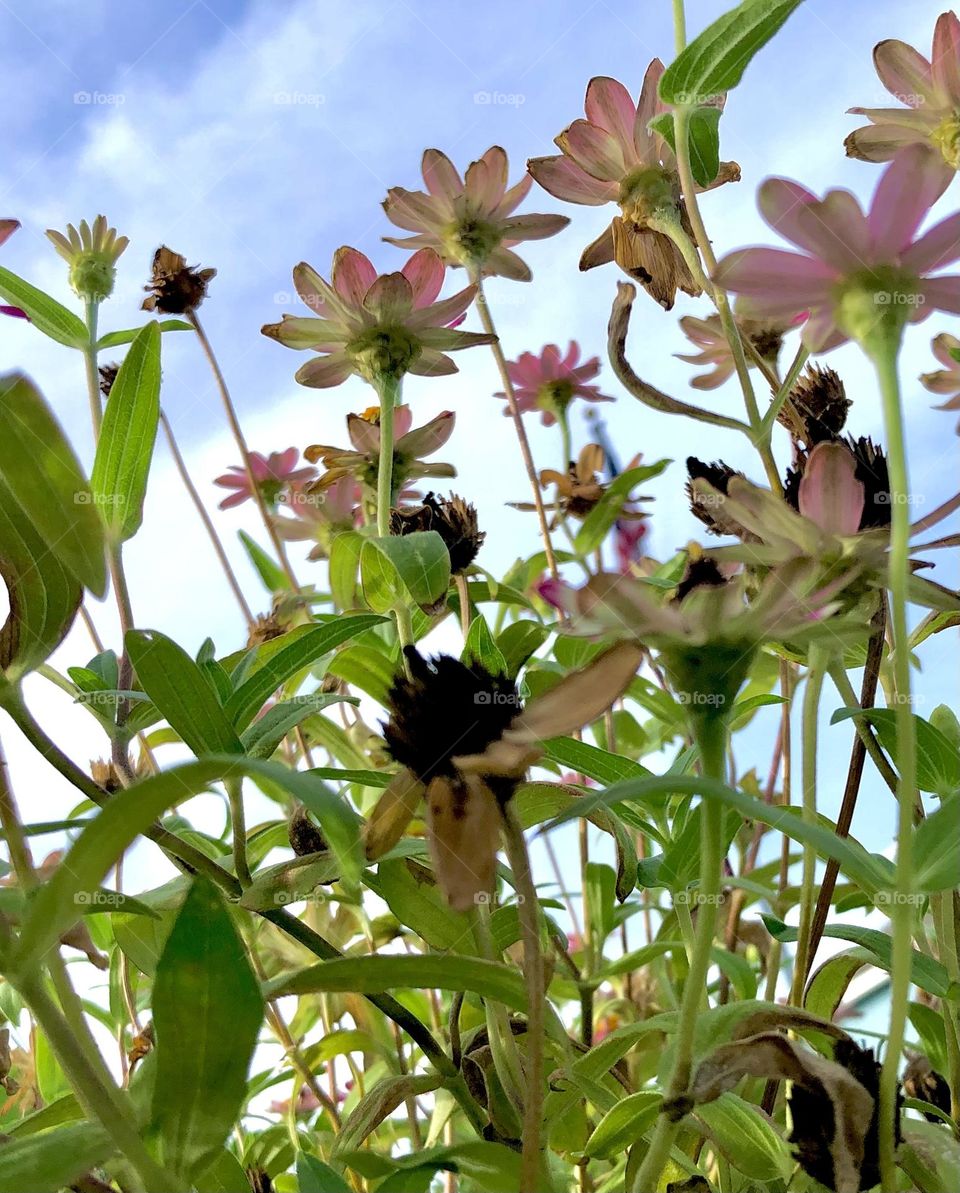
(454,519)
(703,502)
(108,374)
(820,401)
(304,836)
(922,1081)
(175,287)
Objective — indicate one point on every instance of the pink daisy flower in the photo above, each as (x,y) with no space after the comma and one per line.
(470,221)
(376,325)
(714,349)
(549,382)
(930,91)
(846,254)
(272,475)
(7,229)
(946,348)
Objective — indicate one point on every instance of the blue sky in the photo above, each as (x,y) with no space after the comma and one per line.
(250,136)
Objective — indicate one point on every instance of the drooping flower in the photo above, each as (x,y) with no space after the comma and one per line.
(465,741)
(454,519)
(613,157)
(362,459)
(579,488)
(319,515)
(818,405)
(469,221)
(7,229)
(272,475)
(930,93)
(375,326)
(856,273)
(175,288)
(549,382)
(708,335)
(947,379)
(91,253)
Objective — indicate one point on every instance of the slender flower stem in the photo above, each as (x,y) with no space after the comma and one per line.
(488,326)
(817,665)
(388,391)
(238,825)
(783,393)
(503,1047)
(528,908)
(205,519)
(91,308)
(241,442)
(902,912)
(711,736)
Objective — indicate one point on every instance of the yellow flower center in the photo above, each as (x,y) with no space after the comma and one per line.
(946,137)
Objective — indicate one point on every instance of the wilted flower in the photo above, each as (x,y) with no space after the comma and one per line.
(7,229)
(108,374)
(92,255)
(272,475)
(922,1081)
(703,502)
(819,400)
(627,537)
(613,157)
(304,836)
(579,488)
(319,514)
(469,221)
(930,92)
(362,459)
(856,272)
(708,335)
(824,487)
(175,287)
(946,348)
(376,326)
(549,382)
(454,519)
(465,742)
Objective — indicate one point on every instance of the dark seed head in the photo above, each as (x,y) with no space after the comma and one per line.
(699,573)
(108,374)
(871,472)
(718,476)
(303,834)
(444,710)
(921,1080)
(452,518)
(821,402)
(175,287)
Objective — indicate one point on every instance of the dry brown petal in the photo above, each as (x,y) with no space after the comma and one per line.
(463,831)
(392,813)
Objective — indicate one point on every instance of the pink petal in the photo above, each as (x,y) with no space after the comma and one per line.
(946,55)
(14,312)
(317,294)
(907,190)
(785,282)
(364,435)
(882,142)
(833,230)
(402,421)
(820,332)
(283,462)
(594,150)
(440,175)
(564,179)
(533,227)
(941,294)
(830,494)
(648,106)
(413,210)
(232,480)
(352,275)
(495,159)
(298,332)
(936,248)
(233,500)
(7,229)
(609,105)
(390,298)
(425,272)
(443,313)
(425,440)
(324,372)
(904,72)
(514,197)
(550,363)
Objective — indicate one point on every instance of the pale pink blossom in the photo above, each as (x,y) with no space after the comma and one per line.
(714,347)
(469,221)
(845,253)
(548,382)
(930,93)
(376,325)
(272,475)
(945,380)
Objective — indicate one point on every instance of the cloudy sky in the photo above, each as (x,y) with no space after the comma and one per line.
(252,135)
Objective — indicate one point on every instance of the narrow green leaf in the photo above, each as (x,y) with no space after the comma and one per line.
(262,737)
(127,436)
(715,61)
(367,667)
(411,893)
(269,572)
(597,523)
(46,314)
(41,470)
(181,693)
(376,1105)
(116,339)
(207,1010)
(50,1160)
(938,763)
(518,641)
(313,1176)
(703,140)
(301,651)
(624,1125)
(480,648)
(746,1138)
(344,563)
(937,850)
(591,761)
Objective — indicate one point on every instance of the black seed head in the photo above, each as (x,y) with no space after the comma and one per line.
(718,475)
(871,472)
(821,402)
(175,288)
(303,834)
(699,573)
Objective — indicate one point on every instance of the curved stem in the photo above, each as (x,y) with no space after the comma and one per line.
(711,736)
(902,911)
(487,321)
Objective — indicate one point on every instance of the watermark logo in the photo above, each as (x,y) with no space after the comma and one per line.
(99,898)
(496,698)
(299,99)
(501,99)
(99,99)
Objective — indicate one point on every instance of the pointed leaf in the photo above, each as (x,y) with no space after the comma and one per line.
(46,314)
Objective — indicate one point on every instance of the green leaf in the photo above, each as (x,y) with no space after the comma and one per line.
(50,1160)
(181,692)
(291,882)
(127,436)
(481,649)
(261,738)
(313,1176)
(372,975)
(42,472)
(54,906)
(376,1105)
(411,893)
(624,1125)
(366,667)
(46,314)
(344,562)
(519,641)
(591,761)
(930,1156)
(116,339)
(207,1010)
(746,1138)
(411,567)
(703,140)
(269,572)
(853,858)
(597,523)
(938,763)
(296,651)
(925,971)
(714,62)
(936,850)
(828,985)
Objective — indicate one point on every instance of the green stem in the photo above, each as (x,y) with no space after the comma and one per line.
(902,911)
(817,665)
(91,308)
(710,733)
(503,1046)
(238,826)
(679,26)
(388,391)
(783,393)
